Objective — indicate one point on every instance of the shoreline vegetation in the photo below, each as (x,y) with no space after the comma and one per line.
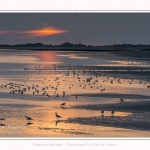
(77,47)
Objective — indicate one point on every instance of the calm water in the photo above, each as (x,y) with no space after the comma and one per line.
(44,77)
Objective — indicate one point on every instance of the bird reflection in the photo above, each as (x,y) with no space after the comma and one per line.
(57,121)
(63,107)
(102,115)
(29,123)
(2,125)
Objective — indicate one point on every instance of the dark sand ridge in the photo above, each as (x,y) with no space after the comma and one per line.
(137,120)
(126,72)
(66,131)
(133,54)
(96,68)
(109,54)
(119,55)
(114,95)
(120,106)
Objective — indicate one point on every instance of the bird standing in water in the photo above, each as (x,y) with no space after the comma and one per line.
(2,119)
(112,112)
(57,116)
(102,112)
(121,100)
(63,104)
(28,118)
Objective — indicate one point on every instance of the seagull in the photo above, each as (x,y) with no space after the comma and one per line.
(63,104)
(121,100)
(28,118)
(112,112)
(57,116)
(102,111)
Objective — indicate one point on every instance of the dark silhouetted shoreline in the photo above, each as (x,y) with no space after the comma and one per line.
(77,47)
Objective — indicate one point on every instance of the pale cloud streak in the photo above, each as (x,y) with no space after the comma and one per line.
(4,32)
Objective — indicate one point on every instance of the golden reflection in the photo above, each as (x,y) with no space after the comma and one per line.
(48,56)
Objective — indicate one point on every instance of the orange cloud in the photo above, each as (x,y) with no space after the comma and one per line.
(41,32)
(4,32)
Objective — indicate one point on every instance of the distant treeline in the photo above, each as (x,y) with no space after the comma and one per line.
(67,44)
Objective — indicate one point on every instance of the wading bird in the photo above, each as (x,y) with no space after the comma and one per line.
(121,100)
(28,118)
(112,112)
(63,104)
(2,119)
(57,116)
(102,111)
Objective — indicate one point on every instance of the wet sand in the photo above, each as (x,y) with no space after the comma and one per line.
(137,105)
(138,119)
(89,89)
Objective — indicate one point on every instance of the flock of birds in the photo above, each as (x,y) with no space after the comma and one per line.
(47,86)
(63,79)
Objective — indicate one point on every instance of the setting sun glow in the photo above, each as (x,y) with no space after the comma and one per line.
(43,32)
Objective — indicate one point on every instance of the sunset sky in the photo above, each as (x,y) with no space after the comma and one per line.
(86,28)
